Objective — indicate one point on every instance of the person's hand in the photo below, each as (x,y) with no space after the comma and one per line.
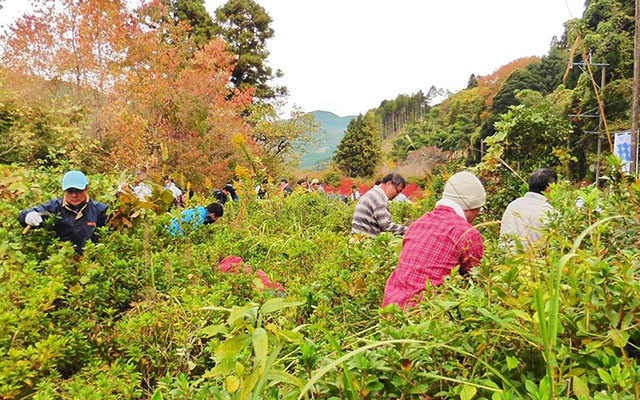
(33,218)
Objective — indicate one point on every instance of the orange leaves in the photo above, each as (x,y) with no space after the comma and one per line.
(489,85)
(76,41)
(143,79)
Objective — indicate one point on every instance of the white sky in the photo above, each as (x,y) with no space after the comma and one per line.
(346,56)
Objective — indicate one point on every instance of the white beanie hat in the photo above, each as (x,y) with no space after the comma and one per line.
(465,190)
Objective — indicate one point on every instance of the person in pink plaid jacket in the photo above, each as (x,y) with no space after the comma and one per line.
(439,241)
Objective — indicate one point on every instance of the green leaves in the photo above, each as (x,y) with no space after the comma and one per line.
(276,304)
(260,347)
(580,387)
(244,326)
(248,311)
(468,392)
(231,348)
(212,330)
(512,362)
(619,338)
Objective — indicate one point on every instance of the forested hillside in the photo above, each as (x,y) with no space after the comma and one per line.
(510,102)
(331,128)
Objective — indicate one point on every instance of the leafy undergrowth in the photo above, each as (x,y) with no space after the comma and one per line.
(145,315)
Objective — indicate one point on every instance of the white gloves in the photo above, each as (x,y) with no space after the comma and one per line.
(33,218)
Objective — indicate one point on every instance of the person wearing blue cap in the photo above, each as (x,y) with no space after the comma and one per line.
(79,216)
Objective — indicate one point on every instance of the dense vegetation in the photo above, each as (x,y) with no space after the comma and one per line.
(144,313)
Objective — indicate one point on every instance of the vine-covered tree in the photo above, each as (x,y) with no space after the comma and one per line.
(359,150)
(532,134)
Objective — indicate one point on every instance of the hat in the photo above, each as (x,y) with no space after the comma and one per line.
(315,182)
(465,190)
(75,180)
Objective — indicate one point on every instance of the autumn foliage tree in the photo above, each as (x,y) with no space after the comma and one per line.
(179,102)
(153,101)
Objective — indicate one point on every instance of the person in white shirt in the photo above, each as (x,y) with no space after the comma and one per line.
(261,189)
(171,186)
(525,216)
(402,198)
(355,193)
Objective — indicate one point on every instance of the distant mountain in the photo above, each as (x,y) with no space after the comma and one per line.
(331,131)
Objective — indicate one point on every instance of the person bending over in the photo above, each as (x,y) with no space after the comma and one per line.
(195,217)
(439,241)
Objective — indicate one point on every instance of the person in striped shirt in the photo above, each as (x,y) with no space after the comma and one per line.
(372,215)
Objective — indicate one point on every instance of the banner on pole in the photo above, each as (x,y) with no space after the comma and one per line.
(622,149)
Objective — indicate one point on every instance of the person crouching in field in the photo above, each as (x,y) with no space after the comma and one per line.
(195,217)
(439,241)
(525,217)
(222,195)
(372,215)
(79,216)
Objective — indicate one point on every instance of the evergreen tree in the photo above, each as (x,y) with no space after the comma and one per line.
(246,26)
(473,81)
(194,13)
(359,150)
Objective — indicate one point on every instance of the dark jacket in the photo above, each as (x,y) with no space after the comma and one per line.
(68,228)
(220,196)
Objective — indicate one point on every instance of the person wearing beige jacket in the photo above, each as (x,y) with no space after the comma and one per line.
(525,217)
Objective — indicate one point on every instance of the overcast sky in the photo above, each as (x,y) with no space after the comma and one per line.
(346,56)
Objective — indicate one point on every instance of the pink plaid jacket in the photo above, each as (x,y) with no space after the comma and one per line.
(434,244)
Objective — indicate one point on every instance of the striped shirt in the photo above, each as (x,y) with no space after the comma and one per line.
(372,215)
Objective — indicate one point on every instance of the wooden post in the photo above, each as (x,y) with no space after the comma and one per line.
(634,102)
(602,77)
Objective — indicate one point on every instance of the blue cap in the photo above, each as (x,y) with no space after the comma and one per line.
(74,179)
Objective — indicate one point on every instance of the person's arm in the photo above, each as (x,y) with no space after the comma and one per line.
(102,215)
(470,249)
(382,214)
(51,206)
